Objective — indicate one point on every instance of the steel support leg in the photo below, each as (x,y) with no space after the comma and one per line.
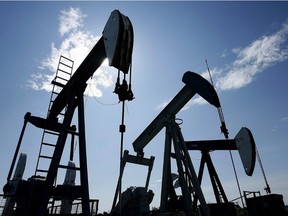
(166,175)
(182,155)
(83,157)
(18,146)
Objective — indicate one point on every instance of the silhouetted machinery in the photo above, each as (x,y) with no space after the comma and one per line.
(188,181)
(38,195)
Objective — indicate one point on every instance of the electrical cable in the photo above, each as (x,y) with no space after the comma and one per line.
(224,130)
(95,98)
(267,188)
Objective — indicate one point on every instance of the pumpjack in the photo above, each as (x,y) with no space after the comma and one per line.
(40,196)
(37,195)
(188,180)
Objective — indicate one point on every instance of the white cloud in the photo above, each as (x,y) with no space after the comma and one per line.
(250,61)
(162,105)
(75,45)
(254,59)
(70,20)
(100,77)
(224,53)
(196,101)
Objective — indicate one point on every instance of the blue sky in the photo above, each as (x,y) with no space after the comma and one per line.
(245,44)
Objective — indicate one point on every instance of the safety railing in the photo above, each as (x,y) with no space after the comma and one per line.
(2,203)
(76,208)
(55,207)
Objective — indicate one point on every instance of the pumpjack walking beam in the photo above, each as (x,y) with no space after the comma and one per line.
(194,84)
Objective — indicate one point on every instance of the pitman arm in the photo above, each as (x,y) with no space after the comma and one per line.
(194,84)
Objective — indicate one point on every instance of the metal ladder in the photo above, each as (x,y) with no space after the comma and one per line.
(49,138)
